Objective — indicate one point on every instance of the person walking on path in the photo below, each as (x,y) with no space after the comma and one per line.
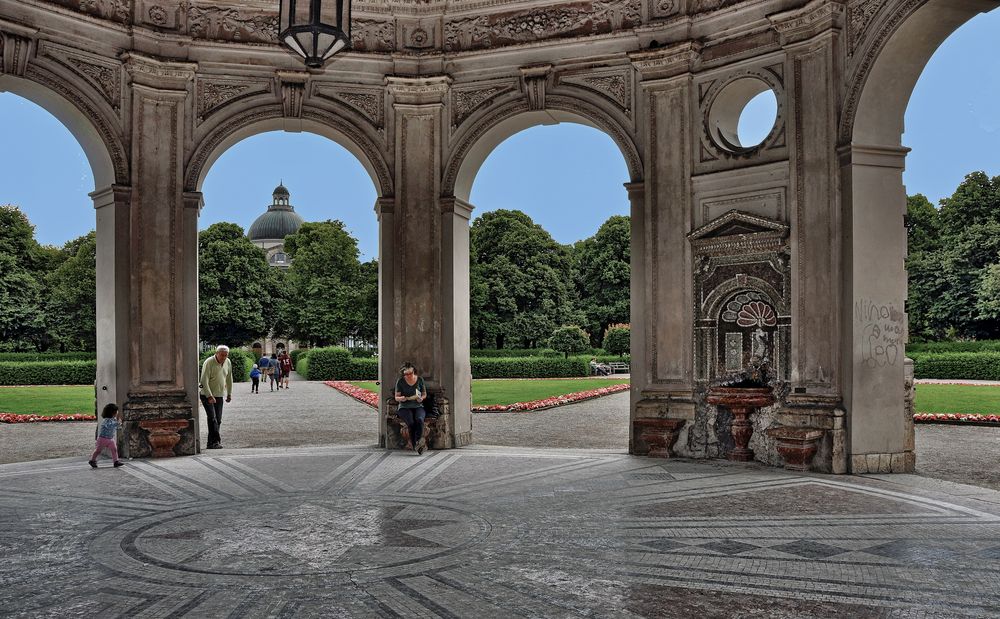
(266,370)
(255,379)
(106,434)
(285,363)
(216,379)
(410,393)
(276,373)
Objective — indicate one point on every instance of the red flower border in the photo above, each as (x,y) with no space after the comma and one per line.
(371,398)
(957,419)
(15,418)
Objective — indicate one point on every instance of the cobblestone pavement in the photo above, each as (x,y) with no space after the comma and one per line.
(312,414)
(487,532)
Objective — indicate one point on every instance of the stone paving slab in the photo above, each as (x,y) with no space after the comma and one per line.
(487,532)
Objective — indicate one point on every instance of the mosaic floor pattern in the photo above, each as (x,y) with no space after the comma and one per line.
(481,532)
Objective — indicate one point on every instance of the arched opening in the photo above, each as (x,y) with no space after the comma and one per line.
(550,245)
(297,209)
(60,287)
(875,203)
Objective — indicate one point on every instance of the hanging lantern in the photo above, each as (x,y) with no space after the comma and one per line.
(315,29)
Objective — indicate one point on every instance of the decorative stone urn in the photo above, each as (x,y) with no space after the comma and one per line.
(659,434)
(164,434)
(797,446)
(741,402)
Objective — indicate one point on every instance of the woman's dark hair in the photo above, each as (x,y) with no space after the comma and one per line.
(407,366)
(110,410)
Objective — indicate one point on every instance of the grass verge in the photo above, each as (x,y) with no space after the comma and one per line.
(963,399)
(509,391)
(47,400)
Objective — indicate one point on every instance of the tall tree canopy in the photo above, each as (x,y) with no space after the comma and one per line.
(602,274)
(22,262)
(951,262)
(71,296)
(238,292)
(327,297)
(520,281)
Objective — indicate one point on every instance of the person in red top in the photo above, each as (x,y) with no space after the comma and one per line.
(285,362)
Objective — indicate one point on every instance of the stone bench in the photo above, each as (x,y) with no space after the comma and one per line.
(436,429)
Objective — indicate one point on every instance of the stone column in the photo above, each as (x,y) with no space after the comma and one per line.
(163,261)
(418,256)
(455,302)
(112,205)
(880,438)
(662,371)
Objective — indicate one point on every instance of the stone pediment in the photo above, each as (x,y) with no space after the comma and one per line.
(738,223)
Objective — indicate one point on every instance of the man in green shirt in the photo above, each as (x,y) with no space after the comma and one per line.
(216,379)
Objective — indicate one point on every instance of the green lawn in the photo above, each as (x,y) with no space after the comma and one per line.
(490,392)
(47,400)
(966,399)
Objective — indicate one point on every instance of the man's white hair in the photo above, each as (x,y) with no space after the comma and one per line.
(222,348)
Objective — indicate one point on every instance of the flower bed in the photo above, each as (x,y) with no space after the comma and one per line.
(371,398)
(13,418)
(361,395)
(964,419)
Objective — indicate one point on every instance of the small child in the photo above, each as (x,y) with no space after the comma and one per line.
(106,436)
(255,379)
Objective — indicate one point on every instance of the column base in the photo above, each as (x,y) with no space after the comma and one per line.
(148,418)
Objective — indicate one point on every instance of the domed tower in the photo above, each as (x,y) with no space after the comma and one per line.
(270,229)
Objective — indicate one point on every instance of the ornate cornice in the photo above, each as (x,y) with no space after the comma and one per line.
(159,74)
(418,90)
(668,61)
(806,22)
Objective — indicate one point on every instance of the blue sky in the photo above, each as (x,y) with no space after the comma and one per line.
(567,177)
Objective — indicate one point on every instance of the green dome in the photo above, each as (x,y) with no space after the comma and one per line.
(275,224)
(279,221)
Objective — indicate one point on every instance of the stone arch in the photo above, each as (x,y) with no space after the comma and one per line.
(271,118)
(892,61)
(100,142)
(496,125)
(872,160)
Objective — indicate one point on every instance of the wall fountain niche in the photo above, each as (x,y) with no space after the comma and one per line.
(742,321)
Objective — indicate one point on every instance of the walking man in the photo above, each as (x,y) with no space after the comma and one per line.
(216,379)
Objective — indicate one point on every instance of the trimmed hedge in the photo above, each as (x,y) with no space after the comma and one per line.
(506,353)
(529,367)
(957,365)
(48,372)
(336,363)
(948,347)
(295,354)
(241,360)
(48,356)
(302,367)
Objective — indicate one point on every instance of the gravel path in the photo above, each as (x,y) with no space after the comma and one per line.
(312,414)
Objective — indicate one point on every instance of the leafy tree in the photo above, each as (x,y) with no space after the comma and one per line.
(238,291)
(569,339)
(366,327)
(923,225)
(975,201)
(71,303)
(325,298)
(22,319)
(602,274)
(520,280)
(617,341)
(988,298)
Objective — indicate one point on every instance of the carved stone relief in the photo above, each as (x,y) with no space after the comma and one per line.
(614,86)
(859,16)
(210,22)
(369,103)
(104,75)
(466,100)
(664,8)
(113,10)
(212,94)
(369,35)
(561,20)
(14,53)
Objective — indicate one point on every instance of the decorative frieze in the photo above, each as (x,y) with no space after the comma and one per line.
(367,102)
(614,86)
(537,24)
(860,15)
(808,21)
(106,76)
(369,35)
(231,24)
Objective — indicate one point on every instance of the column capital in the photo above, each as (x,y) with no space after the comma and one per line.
(385,206)
(636,191)
(457,206)
(16,42)
(666,62)
(111,195)
(873,156)
(159,74)
(193,200)
(419,90)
